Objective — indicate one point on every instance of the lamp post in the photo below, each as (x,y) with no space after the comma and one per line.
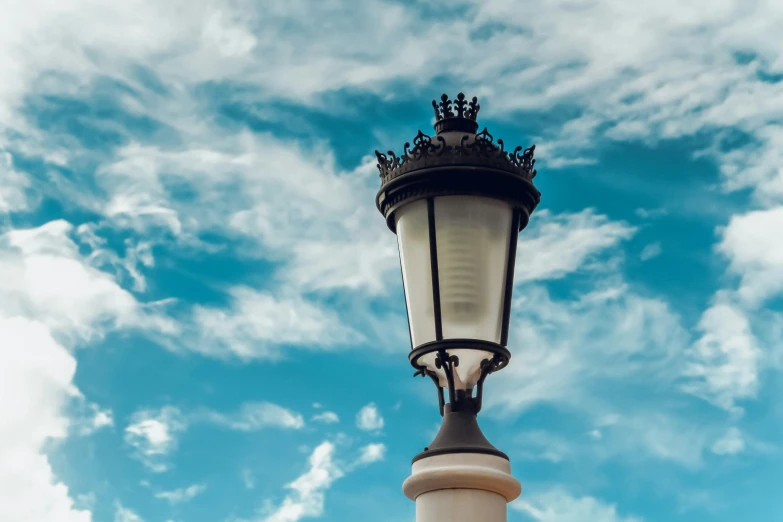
(457,201)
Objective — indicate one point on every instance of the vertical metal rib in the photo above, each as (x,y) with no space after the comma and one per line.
(434,268)
(512,254)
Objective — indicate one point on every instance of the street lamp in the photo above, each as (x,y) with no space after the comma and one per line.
(457,201)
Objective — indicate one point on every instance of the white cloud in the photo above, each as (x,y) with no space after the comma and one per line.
(12,189)
(272,194)
(51,298)
(253,416)
(93,419)
(103,418)
(257,324)
(371,453)
(327,417)
(369,418)
(725,362)
(43,276)
(650,251)
(752,244)
(573,352)
(675,74)
(669,77)
(36,382)
(123,514)
(731,443)
(180,495)
(555,245)
(138,255)
(757,164)
(308,492)
(42,270)
(610,358)
(154,434)
(557,505)
(306,499)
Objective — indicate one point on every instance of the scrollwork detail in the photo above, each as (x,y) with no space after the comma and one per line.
(482,146)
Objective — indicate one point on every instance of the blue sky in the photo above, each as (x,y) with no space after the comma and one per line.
(201,312)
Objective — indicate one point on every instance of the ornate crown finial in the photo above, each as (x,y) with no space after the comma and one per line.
(463,120)
(457,160)
(443,109)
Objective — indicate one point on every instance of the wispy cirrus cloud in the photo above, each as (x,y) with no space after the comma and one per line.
(253,416)
(556,245)
(182,495)
(154,433)
(258,324)
(651,88)
(673,69)
(13,197)
(561,343)
(558,505)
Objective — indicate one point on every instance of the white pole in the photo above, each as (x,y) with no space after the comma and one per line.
(461,487)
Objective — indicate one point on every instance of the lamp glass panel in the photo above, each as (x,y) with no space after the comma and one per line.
(413,240)
(472,237)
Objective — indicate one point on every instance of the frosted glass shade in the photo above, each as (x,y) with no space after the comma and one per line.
(471,254)
(413,240)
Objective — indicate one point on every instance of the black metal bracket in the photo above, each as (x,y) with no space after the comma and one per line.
(459,433)
(459,400)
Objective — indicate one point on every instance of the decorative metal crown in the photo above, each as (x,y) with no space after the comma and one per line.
(443,109)
(472,149)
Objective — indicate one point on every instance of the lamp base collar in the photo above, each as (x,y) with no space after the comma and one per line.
(459,433)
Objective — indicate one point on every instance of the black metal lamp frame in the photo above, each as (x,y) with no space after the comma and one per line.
(460,400)
(459,161)
(460,432)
